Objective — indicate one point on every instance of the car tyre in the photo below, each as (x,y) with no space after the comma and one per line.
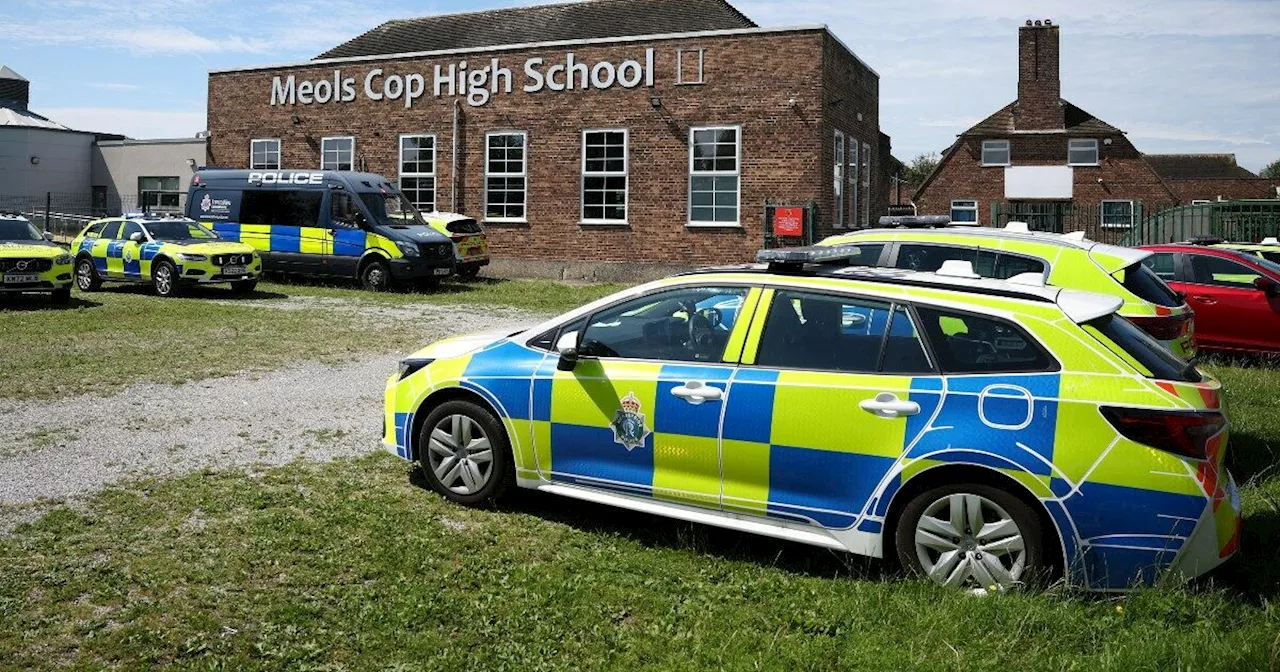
(469,272)
(428,284)
(164,275)
(87,279)
(464,454)
(973,536)
(244,286)
(376,276)
(62,296)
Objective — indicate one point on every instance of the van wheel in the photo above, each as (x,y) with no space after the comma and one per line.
(376,276)
(87,276)
(971,536)
(244,286)
(165,278)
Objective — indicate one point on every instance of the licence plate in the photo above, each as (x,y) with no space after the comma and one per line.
(20,278)
(234,270)
(442,271)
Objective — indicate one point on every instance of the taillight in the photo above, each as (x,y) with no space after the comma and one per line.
(1179,432)
(1163,328)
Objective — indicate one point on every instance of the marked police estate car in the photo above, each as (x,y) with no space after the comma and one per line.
(982,432)
(323,223)
(31,262)
(167,251)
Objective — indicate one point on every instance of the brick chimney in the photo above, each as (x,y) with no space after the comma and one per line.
(1039,85)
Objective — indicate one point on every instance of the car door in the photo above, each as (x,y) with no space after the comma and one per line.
(640,412)
(832,390)
(128,252)
(347,224)
(99,246)
(1230,311)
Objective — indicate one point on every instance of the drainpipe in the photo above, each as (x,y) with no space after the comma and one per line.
(457,112)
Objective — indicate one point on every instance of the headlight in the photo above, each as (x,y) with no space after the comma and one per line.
(182,256)
(64,260)
(408,367)
(409,249)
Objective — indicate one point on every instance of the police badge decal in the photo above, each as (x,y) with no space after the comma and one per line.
(628,423)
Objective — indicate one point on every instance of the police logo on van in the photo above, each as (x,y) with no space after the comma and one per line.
(286,178)
(206,203)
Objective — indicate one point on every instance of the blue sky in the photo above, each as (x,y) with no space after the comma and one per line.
(1177,75)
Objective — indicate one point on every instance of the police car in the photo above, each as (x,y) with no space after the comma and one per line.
(470,245)
(1268,248)
(30,261)
(982,432)
(1070,261)
(166,251)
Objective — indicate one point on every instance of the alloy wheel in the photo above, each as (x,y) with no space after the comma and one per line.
(459,455)
(966,540)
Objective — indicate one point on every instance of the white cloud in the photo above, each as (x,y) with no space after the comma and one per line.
(1189,134)
(132,122)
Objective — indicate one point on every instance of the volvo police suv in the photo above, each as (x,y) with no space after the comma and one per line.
(1068,260)
(31,262)
(985,433)
(169,252)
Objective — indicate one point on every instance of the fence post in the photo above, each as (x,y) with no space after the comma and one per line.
(48,205)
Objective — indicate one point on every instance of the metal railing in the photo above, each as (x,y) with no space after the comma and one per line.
(66,214)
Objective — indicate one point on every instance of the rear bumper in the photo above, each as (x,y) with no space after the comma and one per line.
(414,269)
(1216,537)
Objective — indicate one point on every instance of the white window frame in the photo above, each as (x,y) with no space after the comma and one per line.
(326,140)
(279,154)
(625,174)
(1008,151)
(716,173)
(1102,215)
(967,208)
(839,182)
(1097,151)
(851,159)
(866,185)
(680,80)
(435,191)
(524,173)
(1201,201)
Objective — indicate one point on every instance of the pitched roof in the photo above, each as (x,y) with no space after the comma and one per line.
(544,23)
(1196,166)
(7,73)
(1075,120)
(22,118)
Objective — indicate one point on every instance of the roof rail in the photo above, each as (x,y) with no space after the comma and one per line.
(915,222)
(1205,240)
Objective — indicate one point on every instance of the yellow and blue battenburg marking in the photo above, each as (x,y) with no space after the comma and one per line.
(306,239)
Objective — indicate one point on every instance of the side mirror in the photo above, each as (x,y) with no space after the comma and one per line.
(568,359)
(47,236)
(136,236)
(1266,285)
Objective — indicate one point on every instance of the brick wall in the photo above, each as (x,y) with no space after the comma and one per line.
(750,81)
(1230,189)
(1039,85)
(852,94)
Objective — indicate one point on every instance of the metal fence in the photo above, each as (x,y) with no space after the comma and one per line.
(65,214)
(1111,222)
(1237,221)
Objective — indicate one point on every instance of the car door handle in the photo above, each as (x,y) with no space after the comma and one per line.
(697,392)
(1205,299)
(889,406)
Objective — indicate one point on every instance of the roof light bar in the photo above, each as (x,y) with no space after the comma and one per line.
(796,257)
(915,222)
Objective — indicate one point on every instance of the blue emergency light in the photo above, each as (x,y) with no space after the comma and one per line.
(792,259)
(916,221)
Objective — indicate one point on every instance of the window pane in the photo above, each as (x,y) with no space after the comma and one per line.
(1009,265)
(827,333)
(995,152)
(973,344)
(929,258)
(1161,265)
(903,350)
(1157,359)
(284,208)
(421,191)
(687,325)
(1222,272)
(1148,286)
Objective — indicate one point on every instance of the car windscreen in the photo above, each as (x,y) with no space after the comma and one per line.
(1123,335)
(14,229)
(179,230)
(391,208)
(1148,286)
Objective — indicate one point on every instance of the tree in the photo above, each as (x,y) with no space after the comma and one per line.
(1272,171)
(919,168)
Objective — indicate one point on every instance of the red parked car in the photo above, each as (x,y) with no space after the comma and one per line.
(1235,296)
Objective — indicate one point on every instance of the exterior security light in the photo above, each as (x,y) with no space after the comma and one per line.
(191,163)
(35,160)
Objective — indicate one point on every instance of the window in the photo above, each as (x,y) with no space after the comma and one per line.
(687,325)
(866,184)
(1200,201)
(689,66)
(980,344)
(838,221)
(264,154)
(1122,336)
(1082,152)
(986,263)
(868,255)
(111,230)
(1117,214)
(159,193)
(964,212)
(834,333)
(714,176)
(995,152)
(344,213)
(1147,283)
(1162,264)
(604,177)
(95,230)
(281,208)
(128,230)
(1206,270)
(337,153)
(852,164)
(418,170)
(505,170)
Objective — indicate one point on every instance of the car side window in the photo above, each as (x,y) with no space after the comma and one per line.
(1010,265)
(1207,270)
(690,324)
(903,350)
(967,343)
(835,333)
(129,229)
(110,230)
(929,258)
(94,230)
(868,255)
(1162,264)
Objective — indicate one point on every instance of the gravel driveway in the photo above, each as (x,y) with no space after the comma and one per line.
(65,449)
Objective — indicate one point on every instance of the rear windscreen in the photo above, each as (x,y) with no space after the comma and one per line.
(1148,286)
(464,226)
(1123,338)
(1273,257)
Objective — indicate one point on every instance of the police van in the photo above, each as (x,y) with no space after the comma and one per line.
(323,223)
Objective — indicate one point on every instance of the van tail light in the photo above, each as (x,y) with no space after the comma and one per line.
(1183,433)
(1168,328)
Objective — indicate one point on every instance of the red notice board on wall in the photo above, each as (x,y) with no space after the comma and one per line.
(788,222)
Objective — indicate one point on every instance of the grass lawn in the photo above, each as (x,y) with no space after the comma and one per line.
(123,335)
(351,565)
